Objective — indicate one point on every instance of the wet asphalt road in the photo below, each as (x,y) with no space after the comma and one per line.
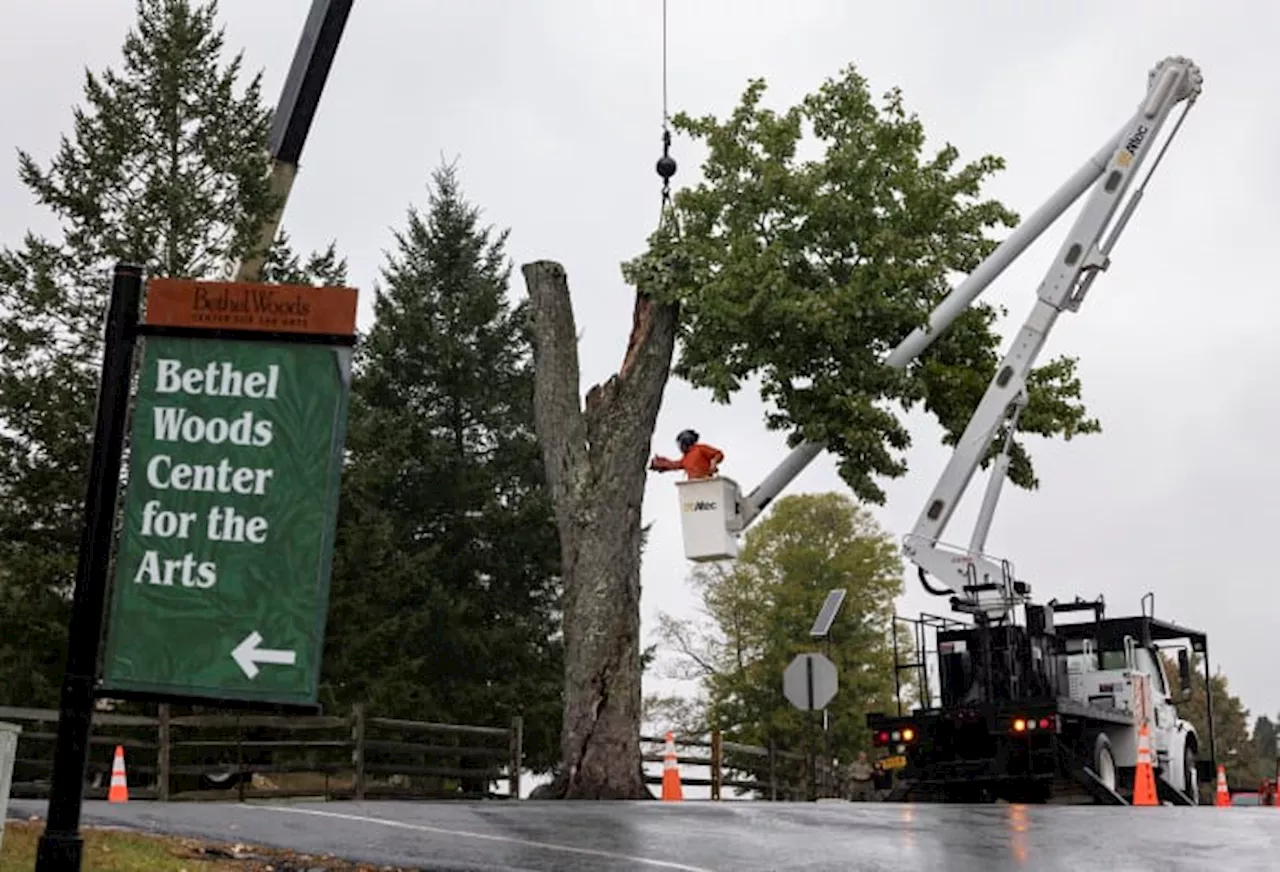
(728,836)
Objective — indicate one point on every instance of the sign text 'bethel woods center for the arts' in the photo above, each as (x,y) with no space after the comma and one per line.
(222,574)
(174,424)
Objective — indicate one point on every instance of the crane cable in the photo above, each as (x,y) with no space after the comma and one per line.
(666,165)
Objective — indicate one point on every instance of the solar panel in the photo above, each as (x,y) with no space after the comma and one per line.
(826,617)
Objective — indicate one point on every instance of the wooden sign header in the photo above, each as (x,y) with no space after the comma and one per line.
(251,306)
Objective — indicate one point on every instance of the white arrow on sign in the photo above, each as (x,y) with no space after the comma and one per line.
(248,655)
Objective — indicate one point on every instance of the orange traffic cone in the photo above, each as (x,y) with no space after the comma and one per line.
(1222,796)
(1144,776)
(119,791)
(671,790)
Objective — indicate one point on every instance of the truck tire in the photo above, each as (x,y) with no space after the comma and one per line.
(1190,778)
(216,779)
(1103,761)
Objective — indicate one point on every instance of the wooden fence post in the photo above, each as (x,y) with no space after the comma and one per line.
(162,754)
(773,772)
(516,761)
(357,748)
(240,789)
(717,763)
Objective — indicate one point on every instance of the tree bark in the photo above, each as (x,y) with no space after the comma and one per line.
(596,458)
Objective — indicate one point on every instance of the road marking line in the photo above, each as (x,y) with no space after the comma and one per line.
(590,852)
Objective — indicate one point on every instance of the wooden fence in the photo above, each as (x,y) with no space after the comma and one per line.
(359,756)
(202,756)
(778,775)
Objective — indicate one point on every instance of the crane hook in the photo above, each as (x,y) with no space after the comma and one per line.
(666,165)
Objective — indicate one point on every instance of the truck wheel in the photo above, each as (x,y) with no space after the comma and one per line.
(1104,761)
(1190,779)
(219,779)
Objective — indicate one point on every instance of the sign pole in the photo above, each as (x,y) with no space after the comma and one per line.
(826,731)
(813,754)
(821,629)
(61,846)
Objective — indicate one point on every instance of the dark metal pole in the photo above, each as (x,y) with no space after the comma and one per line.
(826,737)
(317,47)
(61,846)
(897,681)
(813,749)
(922,646)
(291,123)
(1208,708)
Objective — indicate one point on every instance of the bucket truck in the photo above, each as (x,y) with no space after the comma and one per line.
(1042,709)
(1031,706)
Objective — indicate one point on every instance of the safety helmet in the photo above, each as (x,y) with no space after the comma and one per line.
(686,439)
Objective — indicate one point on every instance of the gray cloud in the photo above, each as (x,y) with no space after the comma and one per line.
(554,110)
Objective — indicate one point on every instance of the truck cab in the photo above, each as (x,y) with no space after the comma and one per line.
(1126,674)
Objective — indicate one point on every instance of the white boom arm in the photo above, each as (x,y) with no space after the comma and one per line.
(1159,96)
(988,585)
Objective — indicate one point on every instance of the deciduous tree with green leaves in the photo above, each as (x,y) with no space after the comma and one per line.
(803,274)
(446,581)
(758,614)
(166,166)
(1235,750)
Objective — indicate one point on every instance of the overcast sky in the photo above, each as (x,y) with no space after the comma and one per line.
(554,109)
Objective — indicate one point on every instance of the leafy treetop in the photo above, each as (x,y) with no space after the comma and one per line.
(806,273)
(759,611)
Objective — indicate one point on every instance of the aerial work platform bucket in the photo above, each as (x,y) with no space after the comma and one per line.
(708,518)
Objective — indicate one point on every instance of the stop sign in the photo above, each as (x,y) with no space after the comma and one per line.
(810,682)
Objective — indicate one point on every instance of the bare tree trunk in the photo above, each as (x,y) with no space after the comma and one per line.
(596,460)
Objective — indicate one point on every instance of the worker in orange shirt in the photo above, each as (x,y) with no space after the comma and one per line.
(696,459)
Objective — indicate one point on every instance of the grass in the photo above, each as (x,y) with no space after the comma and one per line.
(118,851)
(109,851)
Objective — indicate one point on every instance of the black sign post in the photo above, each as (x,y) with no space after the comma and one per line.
(61,846)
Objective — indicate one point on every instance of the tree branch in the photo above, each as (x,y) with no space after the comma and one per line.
(679,633)
(558,414)
(650,345)
(626,407)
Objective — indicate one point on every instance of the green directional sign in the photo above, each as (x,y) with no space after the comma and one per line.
(222,574)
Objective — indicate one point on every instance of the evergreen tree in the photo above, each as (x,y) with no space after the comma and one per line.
(444,605)
(1265,750)
(166,167)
